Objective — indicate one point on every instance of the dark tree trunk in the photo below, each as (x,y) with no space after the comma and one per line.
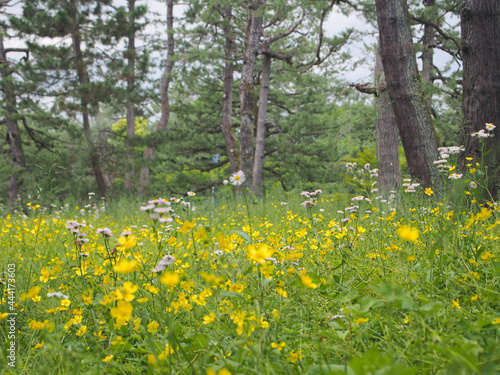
(386,136)
(261,124)
(481,76)
(403,85)
(149,152)
(84,93)
(247,105)
(129,165)
(13,132)
(227,100)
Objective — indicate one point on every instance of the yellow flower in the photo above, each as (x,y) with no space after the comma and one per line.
(361,320)
(259,253)
(127,291)
(3,316)
(408,234)
(428,191)
(170,278)
(207,319)
(33,292)
(125,266)
(81,331)
(39,345)
(282,292)
(278,346)
(295,356)
(153,326)
(307,281)
(497,321)
(108,358)
(484,214)
(122,313)
(87,298)
(487,255)
(407,319)
(125,243)
(473,298)
(186,226)
(34,325)
(472,170)
(44,275)
(456,303)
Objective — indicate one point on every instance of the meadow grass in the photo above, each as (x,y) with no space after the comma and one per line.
(275,287)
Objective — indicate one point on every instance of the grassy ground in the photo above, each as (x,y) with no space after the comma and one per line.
(254,287)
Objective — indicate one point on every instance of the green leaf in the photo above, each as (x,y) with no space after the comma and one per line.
(243,235)
(326,369)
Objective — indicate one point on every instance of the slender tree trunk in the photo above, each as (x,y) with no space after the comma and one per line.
(247,105)
(13,131)
(227,99)
(129,168)
(480,22)
(403,85)
(149,152)
(428,44)
(84,92)
(261,125)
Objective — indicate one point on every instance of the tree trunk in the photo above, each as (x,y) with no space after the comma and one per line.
(480,22)
(84,92)
(428,43)
(261,125)
(149,152)
(386,136)
(129,165)
(227,99)
(247,105)
(13,131)
(403,85)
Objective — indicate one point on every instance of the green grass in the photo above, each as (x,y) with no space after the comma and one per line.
(337,297)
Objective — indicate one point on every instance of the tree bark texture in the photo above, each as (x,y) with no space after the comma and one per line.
(129,165)
(403,84)
(84,93)
(428,43)
(247,105)
(227,99)
(261,125)
(480,23)
(165,103)
(13,132)
(386,136)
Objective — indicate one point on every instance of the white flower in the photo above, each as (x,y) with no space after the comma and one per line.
(149,207)
(163,263)
(455,176)
(490,126)
(191,193)
(225,182)
(358,198)
(473,184)
(105,232)
(57,294)
(237,178)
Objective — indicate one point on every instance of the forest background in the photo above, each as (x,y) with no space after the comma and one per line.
(114,98)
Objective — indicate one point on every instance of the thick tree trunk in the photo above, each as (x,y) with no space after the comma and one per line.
(386,136)
(129,165)
(403,85)
(261,125)
(13,131)
(227,99)
(84,92)
(149,152)
(481,76)
(247,105)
